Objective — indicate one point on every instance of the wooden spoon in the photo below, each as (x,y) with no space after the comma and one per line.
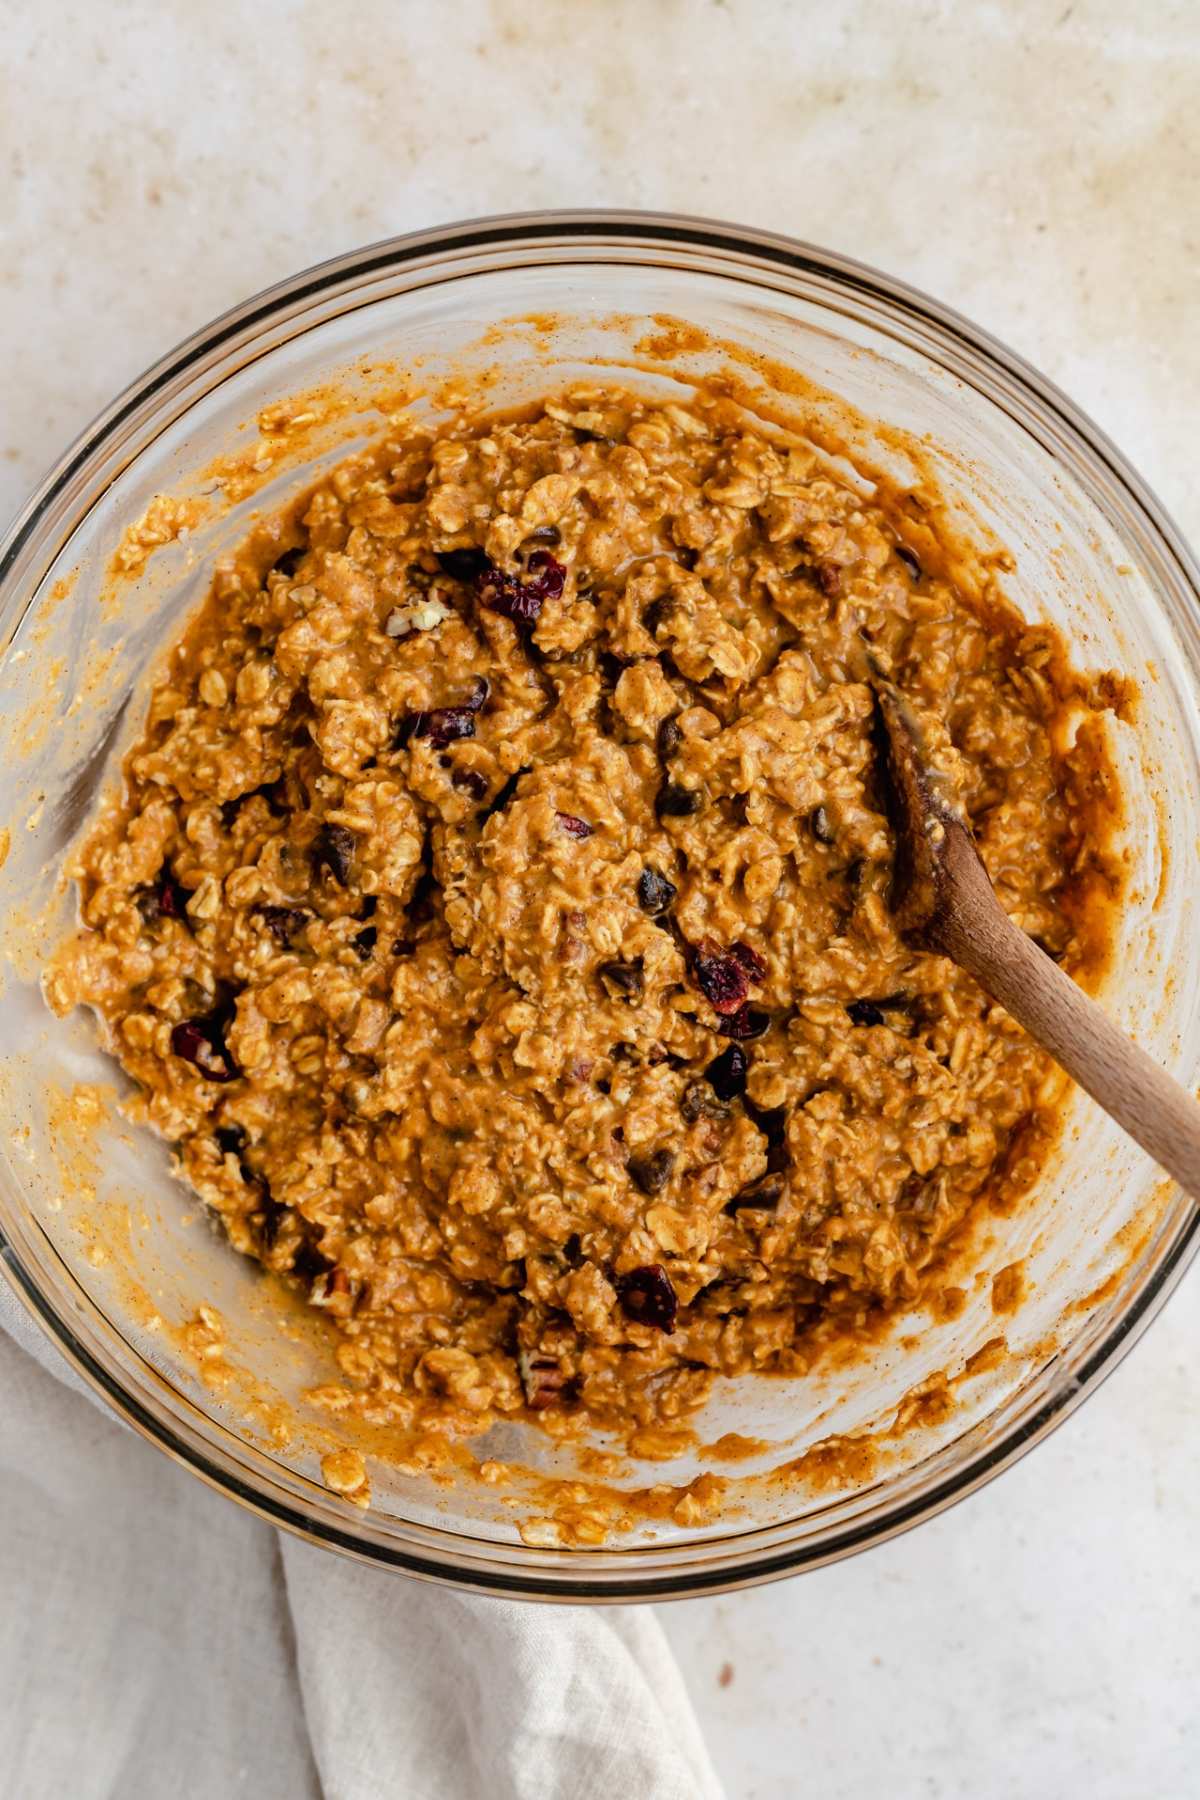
(942,900)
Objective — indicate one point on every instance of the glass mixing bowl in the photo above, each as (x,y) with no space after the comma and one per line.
(112,1256)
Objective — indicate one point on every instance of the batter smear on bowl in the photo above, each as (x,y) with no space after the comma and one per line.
(495,912)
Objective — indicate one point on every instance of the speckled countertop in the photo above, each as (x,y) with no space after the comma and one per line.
(1037,166)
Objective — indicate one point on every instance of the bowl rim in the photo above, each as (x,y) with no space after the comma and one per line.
(577,232)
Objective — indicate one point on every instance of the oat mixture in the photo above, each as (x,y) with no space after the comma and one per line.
(495,914)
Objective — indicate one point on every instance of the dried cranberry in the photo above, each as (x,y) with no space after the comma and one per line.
(720,976)
(626,977)
(546,534)
(726,1074)
(465,565)
(647,1297)
(910,560)
(282,921)
(549,575)
(576,828)
(864,1012)
(744,1024)
(505,594)
(651,1173)
(166,900)
(676,802)
(471,782)
(749,960)
(172,899)
(764,1193)
(481,687)
(511,596)
(655,893)
(444,725)
(364,942)
(334,850)
(199,1042)
(668,738)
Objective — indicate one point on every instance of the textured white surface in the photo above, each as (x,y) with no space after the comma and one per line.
(1037,166)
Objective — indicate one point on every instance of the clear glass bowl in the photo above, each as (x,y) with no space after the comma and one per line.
(112,1256)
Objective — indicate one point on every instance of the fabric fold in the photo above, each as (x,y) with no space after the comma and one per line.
(158,1639)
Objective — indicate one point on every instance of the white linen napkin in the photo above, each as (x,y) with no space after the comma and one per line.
(159,1640)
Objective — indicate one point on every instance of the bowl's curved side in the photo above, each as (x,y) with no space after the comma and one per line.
(1025,462)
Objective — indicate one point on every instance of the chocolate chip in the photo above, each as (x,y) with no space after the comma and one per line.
(308,1262)
(772,1122)
(658,612)
(677,802)
(910,560)
(626,977)
(471,782)
(726,1074)
(231,1139)
(573,1250)
(820,824)
(655,893)
(290,561)
(464,565)
(271,1212)
(744,1024)
(647,1297)
(687,557)
(697,1102)
(668,738)
(764,1193)
(363,942)
(502,796)
(274,793)
(334,850)
(282,921)
(652,1172)
(864,1012)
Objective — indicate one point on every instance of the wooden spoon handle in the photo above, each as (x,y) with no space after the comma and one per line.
(1159,1114)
